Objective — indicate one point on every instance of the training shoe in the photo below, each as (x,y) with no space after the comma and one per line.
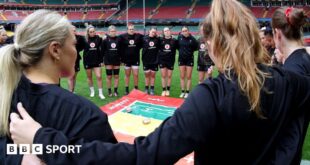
(92,94)
(101,96)
(182,95)
(152,92)
(167,93)
(126,93)
(163,93)
(146,91)
(186,95)
(115,94)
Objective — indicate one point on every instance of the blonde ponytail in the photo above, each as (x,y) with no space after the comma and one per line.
(10,73)
(32,36)
(233,33)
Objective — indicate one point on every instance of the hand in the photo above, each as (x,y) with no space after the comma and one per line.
(31,159)
(23,130)
(210,70)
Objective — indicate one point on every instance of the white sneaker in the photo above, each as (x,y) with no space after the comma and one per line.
(92,94)
(163,93)
(182,95)
(101,96)
(186,95)
(167,93)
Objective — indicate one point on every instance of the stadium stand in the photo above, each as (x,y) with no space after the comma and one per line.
(173,10)
(157,12)
(136,10)
(55,2)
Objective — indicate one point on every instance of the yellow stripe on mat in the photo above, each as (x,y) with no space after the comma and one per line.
(129,124)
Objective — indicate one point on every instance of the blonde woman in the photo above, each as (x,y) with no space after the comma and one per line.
(112,58)
(166,58)
(246,107)
(92,60)
(44,48)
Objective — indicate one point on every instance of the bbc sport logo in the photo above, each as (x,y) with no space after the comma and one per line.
(37,149)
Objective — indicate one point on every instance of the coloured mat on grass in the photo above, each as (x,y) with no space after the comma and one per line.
(127,114)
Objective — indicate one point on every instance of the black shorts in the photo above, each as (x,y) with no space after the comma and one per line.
(203,68)
(91,66)
(77,66)
(112,63)
(186,62)
(168,66)
(130,64)
(152,67)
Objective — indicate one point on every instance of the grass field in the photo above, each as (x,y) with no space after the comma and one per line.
(82,89)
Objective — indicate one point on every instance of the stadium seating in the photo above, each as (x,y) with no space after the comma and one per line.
(136,11)
(95,1)
(167,12)
(200,11)
(93,15)
(32,2)
(258,11)
(15,15)
(76,15)
(154,9)
(74,2)
(55,2)
(113,1)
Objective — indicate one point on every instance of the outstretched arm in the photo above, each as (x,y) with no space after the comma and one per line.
(189,128)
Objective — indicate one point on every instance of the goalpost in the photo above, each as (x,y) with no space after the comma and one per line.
(127,19)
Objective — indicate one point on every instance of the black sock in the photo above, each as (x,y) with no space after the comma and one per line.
(136,87)
(115,90)
(168,88)
(147,87)
(109,90)
(187,91)
(127,89)
(182,91)
(152,87)
(164,88)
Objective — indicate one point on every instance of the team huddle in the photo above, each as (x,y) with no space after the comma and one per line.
(157,52)
(259,109)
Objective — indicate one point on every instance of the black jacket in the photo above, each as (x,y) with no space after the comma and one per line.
(111,47)
(167,50)
(92,53)
(214,121)
(203,54)
(80,45)
(298,62)
(55,107)
(187,46)
(150,50)
(291,143)
(131,45)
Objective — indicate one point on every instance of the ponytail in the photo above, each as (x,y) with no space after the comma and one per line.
(32,36)
(10,73)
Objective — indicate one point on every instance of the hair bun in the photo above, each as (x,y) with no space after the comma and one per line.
(297,18)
